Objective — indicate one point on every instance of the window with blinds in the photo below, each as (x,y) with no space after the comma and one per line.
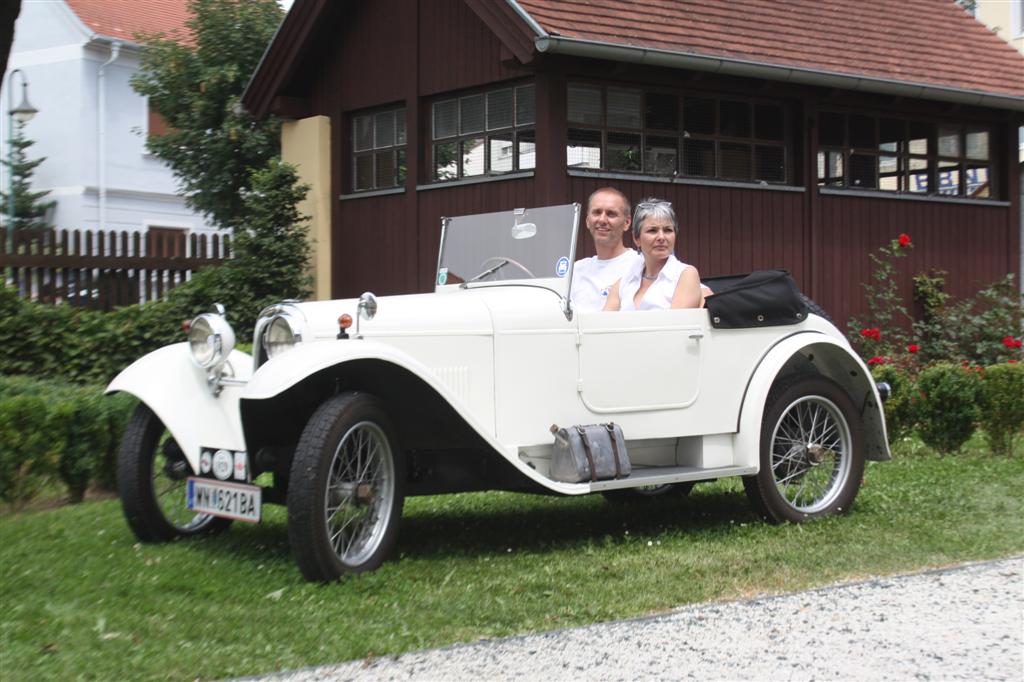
(484,133)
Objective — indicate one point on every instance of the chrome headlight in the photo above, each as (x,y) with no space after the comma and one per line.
(281,334)
(211,339)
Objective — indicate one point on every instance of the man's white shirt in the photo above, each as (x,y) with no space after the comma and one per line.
(593,277)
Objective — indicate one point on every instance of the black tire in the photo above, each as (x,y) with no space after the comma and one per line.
(812,458)
(647,493)
(151,474)
(350,429)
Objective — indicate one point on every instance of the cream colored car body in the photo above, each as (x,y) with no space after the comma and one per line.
(510,363)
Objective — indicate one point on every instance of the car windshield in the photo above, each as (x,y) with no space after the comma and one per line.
(523,245)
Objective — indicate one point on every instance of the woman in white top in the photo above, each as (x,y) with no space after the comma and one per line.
(660,280)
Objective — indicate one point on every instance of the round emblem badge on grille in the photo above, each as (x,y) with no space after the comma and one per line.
(223,463)
(205,462)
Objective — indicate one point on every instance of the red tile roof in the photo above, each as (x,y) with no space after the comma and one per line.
(123,19)
(926,42)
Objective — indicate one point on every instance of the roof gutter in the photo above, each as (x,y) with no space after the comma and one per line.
(530,21)
(551,44)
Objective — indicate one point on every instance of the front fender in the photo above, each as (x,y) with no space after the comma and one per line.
(171,385)
(294,367)
(829,357)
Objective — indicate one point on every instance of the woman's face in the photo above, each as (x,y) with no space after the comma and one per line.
(657,237)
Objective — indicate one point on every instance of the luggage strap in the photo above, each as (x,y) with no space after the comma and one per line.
(586,450)
(615,447)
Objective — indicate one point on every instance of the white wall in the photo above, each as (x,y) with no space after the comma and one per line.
(62,62)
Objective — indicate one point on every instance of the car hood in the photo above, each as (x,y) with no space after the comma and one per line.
(449,311)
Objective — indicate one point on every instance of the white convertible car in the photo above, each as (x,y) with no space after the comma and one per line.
(347,407)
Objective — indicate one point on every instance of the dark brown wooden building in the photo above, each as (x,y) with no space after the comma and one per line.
(801,133)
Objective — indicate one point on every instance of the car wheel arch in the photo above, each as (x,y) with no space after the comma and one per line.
(424,417)
(810,353)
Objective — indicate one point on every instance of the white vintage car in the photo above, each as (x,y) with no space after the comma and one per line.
(347,407)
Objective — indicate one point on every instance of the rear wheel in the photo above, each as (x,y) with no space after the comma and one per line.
(151,475)
(811,452)
(346,489)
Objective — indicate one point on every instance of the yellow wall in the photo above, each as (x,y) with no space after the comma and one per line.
(306,144)
(998,15)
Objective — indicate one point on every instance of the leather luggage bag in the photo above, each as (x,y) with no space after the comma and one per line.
(593,452)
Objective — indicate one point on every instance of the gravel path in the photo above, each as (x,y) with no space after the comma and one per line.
(962,623)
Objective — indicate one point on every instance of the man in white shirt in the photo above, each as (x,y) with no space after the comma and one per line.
(608,219)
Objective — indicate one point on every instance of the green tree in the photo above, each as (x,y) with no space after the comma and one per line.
(29,210)
(271,254)
(195,82)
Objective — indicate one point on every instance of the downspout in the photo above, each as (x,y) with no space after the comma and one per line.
(101,133)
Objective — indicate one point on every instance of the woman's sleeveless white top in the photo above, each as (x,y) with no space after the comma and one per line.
(659,295)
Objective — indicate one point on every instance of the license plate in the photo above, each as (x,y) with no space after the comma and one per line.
(219,498)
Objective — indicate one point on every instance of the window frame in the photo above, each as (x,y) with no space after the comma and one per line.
(520,132)
(398,148)
(936,160)
(683,137)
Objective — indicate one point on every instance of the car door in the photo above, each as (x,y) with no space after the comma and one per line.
(636,361)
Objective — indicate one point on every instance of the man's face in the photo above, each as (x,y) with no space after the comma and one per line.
(607,219)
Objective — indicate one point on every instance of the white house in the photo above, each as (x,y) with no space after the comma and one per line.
(91,126)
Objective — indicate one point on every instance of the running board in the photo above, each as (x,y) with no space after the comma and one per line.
(663,475)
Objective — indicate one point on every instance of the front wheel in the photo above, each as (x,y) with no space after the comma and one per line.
(812,457)
(346,489)
(151,475)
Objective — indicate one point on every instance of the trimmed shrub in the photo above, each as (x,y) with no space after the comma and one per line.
(82,426)
(28,448)
(79,420)
(899,408)
(1002,406)
(117,409)
(947,408)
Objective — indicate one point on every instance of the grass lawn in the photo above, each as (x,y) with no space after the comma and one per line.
(81,599)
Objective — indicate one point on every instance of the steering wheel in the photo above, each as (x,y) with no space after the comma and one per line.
(502,261)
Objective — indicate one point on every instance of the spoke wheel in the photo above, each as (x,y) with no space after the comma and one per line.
(811,452)
(346,491)
(151,475)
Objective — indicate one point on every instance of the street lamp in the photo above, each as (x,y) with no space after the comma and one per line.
(22,113)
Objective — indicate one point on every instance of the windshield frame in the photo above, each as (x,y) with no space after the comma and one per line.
(561,286)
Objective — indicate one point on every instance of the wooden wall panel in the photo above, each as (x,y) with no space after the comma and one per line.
(723,230)
(372,239)
(968,242)
(457,50)
(375,45)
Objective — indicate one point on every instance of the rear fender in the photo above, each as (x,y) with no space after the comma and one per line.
(171,385)
(815,353)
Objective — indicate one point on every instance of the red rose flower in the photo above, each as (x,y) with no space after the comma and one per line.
(913,348)
(904,240)
(1010,342)
(873,333)
(877,360)
(1011,362)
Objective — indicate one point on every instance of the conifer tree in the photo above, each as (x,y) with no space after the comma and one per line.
(29,209)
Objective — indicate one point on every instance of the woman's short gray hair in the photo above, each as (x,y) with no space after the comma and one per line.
(652,208)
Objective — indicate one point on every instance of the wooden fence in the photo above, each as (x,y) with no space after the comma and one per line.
(103,270)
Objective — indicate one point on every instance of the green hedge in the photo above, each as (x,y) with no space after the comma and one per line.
(945,403)
(1002,405)
(51,431)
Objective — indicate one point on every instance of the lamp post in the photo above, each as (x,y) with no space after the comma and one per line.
(22,113)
